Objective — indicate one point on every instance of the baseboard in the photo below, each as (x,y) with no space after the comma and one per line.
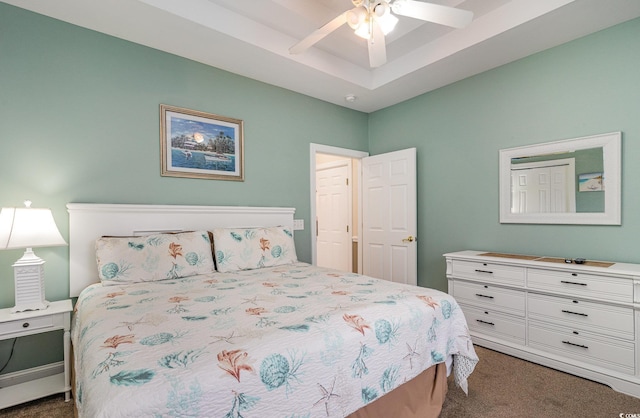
(22,376)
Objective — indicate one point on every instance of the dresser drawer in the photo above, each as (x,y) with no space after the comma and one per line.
(482,321)
(22,325)
(581,284)
(583,346)
(489,272)
(489,296)
(615,321)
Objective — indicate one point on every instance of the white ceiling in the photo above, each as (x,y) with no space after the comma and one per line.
(252,38)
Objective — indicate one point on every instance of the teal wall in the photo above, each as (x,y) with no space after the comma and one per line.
(585,87)
(79,122)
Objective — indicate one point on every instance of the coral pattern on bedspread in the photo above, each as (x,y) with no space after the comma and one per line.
(287,341)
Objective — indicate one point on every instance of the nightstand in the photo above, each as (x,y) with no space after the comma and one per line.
(57,316)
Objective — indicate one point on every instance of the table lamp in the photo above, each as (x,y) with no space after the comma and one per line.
(28,228)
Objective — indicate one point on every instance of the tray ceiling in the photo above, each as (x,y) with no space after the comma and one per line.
(252,38)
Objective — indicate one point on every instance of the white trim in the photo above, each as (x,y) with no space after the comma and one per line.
(130,208)
(343,152)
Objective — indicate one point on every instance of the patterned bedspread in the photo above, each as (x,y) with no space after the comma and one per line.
(288,341)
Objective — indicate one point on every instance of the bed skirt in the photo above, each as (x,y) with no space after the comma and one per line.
(421,397)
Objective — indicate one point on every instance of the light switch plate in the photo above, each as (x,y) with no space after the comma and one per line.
(298,224)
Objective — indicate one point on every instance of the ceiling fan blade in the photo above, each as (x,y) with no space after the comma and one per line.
(377,47)
(436,13)
(317,35)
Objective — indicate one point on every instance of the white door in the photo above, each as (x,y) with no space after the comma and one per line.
(333,215)
(389,216)
(543,187)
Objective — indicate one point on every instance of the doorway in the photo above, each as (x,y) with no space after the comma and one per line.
(326,233)
(335,218)
(385,223)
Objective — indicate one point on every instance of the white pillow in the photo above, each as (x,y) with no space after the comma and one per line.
(153,257)
(252,248)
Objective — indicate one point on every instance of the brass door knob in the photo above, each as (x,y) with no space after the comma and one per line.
(410,238)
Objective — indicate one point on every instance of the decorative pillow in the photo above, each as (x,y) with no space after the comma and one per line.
(252,248)
(153,257)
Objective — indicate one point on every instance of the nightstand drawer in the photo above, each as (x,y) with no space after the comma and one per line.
(489,272)
(27,324)
(489,297)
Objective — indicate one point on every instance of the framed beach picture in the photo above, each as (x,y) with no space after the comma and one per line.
(591,182)
(200,145)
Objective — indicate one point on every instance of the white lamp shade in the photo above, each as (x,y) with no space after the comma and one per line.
(387,23)
(28,228)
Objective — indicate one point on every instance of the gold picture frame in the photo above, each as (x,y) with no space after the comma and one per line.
(200,145)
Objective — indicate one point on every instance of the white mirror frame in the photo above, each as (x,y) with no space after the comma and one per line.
(611,144)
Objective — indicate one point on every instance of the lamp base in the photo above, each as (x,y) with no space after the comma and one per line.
(36,306)
(28,274)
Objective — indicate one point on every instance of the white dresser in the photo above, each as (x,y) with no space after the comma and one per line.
(582,319)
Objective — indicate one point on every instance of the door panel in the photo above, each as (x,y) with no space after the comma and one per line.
(334,242)
(544,187)
(389,216)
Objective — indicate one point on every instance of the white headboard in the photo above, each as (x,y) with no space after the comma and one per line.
(89,221)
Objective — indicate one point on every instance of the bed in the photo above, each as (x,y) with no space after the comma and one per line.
(257,334)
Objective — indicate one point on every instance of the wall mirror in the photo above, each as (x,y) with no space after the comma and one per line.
(574,181)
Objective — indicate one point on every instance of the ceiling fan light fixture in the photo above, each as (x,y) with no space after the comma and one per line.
(363,30)
(387,23)
(356,17)
(360,19)
(380,9)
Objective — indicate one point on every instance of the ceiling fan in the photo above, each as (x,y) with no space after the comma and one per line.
(372,20)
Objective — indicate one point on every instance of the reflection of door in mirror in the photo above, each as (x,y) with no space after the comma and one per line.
(543,186)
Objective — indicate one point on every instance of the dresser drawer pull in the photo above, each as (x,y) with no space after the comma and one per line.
(566,282)
(25,325)
(484,296)
(575,345)
(574,313)
(484,271)
(485,322)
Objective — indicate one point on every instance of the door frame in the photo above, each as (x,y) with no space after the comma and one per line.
(342,152)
